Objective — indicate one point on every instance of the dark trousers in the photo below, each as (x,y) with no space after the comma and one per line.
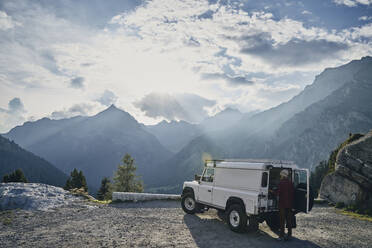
(285,215)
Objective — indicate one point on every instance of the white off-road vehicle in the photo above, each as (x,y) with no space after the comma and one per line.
(243,191)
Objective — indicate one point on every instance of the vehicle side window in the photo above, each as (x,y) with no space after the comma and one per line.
(208,175)
(264,179)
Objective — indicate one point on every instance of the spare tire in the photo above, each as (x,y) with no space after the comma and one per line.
(273,221)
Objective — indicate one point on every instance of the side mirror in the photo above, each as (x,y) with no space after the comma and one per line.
(197,177)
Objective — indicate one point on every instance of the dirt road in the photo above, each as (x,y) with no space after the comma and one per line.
(164,224)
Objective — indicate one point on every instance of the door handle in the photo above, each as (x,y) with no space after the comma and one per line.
(209,190)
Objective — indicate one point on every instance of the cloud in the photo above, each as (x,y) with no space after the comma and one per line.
(77,82)
(13,115)
(6,22)
(306,12)
(188,107)
(15,105)
(295,52)
(353,3)
(107,98)
(234,80)
(75,110)
(365,18)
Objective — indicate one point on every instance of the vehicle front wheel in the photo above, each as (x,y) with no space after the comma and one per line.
(237,218)
(189,204)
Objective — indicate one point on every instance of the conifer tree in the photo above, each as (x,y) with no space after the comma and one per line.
(76,181)
(105,191)
(125,179)
(17,176)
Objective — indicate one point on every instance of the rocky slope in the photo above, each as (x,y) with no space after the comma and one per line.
(352,180)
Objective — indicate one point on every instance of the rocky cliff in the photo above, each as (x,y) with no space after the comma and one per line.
(352,180)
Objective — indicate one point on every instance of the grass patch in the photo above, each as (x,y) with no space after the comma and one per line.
(101,202)
(6,217)
(138,201)
(356,215)
(340,205)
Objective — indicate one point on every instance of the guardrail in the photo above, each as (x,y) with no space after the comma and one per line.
(130,196)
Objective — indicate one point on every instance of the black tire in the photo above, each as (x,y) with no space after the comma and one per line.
(252,224)
(273,221)
(237,218)
(189,204)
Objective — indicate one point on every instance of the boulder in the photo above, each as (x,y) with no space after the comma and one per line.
(336,188)
(352,180)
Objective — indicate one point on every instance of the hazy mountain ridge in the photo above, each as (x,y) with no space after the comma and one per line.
(36,169)
(174,135)
(35,131)
(324,84)
(325,124)
(222,120)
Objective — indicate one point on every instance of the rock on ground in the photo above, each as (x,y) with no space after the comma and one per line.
(33,196)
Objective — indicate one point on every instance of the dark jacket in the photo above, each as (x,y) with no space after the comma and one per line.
(285,193)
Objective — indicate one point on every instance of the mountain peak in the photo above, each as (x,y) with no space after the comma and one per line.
(112,108)
(115,116)
(230,110)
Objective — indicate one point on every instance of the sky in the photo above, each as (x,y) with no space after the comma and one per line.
(168,59)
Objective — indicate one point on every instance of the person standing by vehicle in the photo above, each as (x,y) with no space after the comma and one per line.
(285,193)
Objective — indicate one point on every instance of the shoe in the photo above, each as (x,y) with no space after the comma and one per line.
(280,238)
(287,237)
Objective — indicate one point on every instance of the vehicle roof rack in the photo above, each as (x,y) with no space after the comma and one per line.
(265,161)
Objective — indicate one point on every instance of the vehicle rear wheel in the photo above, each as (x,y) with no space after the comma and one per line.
(221,214)
(188,203)
(273,221)
(237,218)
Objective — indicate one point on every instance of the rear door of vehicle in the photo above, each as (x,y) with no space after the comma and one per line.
(206,186)
(301,185)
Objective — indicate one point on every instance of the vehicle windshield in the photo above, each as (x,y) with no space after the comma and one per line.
(208,175)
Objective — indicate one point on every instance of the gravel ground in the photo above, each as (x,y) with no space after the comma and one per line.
(164,224)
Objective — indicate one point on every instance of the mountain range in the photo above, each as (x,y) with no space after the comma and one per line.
(93,144)
(304,129)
